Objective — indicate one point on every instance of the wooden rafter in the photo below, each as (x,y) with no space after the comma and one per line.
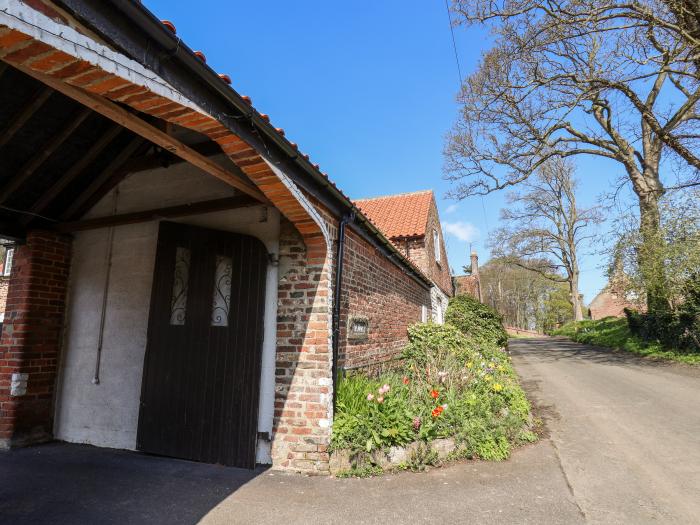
(119,115)
(42,154)
(170,212)
(74,171)
(113,167)
(24,115)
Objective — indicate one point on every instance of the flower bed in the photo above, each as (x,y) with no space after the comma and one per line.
(453,384)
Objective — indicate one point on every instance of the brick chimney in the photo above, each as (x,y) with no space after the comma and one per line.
(475,275)
(475,263)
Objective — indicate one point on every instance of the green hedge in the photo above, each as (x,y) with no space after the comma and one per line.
(481,323)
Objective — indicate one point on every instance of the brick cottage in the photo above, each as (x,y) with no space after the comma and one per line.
(185,281)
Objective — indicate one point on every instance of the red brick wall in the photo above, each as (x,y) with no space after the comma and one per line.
(421,251)
(467,285)
(376,289)
(31,338)
(439,273)
(607,304)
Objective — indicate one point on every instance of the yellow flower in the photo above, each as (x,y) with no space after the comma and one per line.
(500,368)
(488,377)
(470,364)
(492,365)
(497,387)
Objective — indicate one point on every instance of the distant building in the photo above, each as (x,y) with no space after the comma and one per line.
(609,304)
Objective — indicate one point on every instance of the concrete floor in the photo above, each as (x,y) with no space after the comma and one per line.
(622,448)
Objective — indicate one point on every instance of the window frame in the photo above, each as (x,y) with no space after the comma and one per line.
(9,257)
(436,246)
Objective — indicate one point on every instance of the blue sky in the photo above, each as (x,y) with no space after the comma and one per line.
(367,89)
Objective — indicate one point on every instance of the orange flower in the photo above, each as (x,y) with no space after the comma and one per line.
(437,411)
(405,380)
(434,394)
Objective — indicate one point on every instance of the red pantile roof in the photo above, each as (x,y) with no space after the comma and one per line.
(402,215)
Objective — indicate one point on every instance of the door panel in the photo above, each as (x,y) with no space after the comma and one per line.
(201,378)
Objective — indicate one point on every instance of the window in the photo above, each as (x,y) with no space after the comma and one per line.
(9,253)
(178,301)
(439,311)
(423,314)
(436,245)
(221,301)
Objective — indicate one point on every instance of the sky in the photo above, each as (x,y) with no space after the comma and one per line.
(367,89)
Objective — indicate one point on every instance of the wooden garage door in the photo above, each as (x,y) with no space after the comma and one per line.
(201,378)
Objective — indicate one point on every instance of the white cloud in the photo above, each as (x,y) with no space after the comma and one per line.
(451,208)
(464,231)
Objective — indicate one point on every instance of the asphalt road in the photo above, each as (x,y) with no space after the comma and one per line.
(626,429)
(622,445)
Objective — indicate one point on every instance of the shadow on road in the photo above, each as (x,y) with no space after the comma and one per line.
(553,349)
(65,483)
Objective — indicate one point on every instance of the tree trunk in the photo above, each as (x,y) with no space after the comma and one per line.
(575,297)
(650,257)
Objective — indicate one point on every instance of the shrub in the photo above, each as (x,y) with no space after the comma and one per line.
(448,385)
(481,323)
(676,329)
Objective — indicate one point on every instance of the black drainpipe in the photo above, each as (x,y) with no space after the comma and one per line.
(337,289)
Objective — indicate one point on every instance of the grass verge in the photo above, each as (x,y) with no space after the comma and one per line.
(613,332)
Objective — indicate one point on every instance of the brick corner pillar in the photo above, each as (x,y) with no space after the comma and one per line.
(303,383)
(31,338)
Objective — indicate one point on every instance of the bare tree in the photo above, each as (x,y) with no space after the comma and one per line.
(545,229)
(578,77)
(687,18)
(525,299)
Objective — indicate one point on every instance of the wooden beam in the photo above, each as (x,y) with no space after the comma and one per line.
(24,115)
(39,157)
(164,159)
(74,171)
(182,210)
(114,166)
(119,115)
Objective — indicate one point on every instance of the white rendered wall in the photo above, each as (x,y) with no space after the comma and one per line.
(438,300)
(106,414)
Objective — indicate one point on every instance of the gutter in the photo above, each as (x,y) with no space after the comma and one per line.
(337,290)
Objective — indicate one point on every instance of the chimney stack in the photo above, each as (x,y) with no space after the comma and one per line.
(475,275)
(475,263)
